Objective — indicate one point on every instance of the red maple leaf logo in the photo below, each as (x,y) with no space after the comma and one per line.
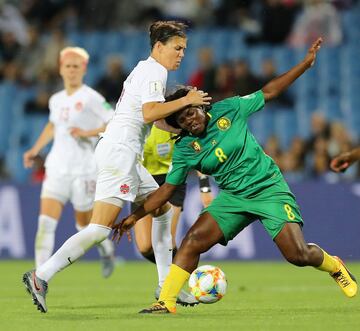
(124,188)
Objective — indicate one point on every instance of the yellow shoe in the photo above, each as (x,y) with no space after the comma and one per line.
(345,279)
(158,308)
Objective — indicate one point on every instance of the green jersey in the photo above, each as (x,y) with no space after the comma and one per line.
(228,151)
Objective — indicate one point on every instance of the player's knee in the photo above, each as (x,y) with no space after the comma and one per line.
(195,242)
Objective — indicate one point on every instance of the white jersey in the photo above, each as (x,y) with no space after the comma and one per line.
(146,83)
(85,109)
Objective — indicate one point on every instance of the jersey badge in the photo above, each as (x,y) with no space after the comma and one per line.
(79,106)
(124,189)
(223,123)
(196,146)
(213,142)
(156,87)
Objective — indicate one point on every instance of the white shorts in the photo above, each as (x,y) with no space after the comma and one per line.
(120,173)
(80,190)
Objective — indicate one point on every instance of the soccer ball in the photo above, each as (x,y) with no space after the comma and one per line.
(208,284)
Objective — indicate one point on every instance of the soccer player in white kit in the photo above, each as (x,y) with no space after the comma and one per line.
(77,115)
(121,177)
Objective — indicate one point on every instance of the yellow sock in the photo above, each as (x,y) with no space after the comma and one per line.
(172,285)
(329,264)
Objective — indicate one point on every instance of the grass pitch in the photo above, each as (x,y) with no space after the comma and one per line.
(261,296)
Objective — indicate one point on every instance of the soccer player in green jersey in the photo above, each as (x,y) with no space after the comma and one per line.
(217,142)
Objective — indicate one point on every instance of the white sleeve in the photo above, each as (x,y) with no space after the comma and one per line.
(101,108)
(153,85)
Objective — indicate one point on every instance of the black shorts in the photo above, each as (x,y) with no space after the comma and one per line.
(178,197)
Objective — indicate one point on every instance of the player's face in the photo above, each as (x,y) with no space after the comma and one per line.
(193,120)
(72,69)
(172,52)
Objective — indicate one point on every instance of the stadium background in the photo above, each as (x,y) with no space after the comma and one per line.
(233,47)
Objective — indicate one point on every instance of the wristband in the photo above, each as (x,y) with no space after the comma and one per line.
(204,183)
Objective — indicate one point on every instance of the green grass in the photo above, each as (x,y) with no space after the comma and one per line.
(261,296)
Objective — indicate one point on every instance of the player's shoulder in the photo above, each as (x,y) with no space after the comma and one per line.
(90,92)
(150,66)
(57,96)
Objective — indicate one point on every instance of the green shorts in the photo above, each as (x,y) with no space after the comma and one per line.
(233,213)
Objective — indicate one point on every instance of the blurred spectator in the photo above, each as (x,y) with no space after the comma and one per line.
(339,140)
(245,81)
(319,129)
(204,77)
(272,148)
(277,19)
(319,158)
(12,21)
(54,45)
(4,174)
(267,74)
(111,84)
(319,18)
(9,47)
(39,105)
(30,56)
(224,82)
(11,72)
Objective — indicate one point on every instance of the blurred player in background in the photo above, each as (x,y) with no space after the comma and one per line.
(158,150)
(77,115)
(343,161)
(252,187)
(121,177)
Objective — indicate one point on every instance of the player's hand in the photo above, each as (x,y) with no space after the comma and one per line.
(123,227)
(341,162)
(311,54)
(28,158)
(197,97)
(78,133)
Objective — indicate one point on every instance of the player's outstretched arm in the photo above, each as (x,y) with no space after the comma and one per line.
(279,84)
(45,137)
(345,160)
(80,133)
(154,201)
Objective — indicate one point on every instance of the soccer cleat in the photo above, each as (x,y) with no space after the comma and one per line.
(345,279)
(107,265)
(37,288)
(184,298)
(158,308)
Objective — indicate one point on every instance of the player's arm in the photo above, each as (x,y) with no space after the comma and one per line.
(153,111)
(80,133)
(45,137)
(154,201)
(277,85)
(345,160)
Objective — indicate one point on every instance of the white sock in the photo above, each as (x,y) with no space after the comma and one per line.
(72,249)
(45,239)
(105,248)
(162,244)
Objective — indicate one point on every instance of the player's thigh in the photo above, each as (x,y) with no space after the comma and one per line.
(275,212)
(142,232)
(55,190)
(230,213)
(147,183)
(83,193)
(117,173)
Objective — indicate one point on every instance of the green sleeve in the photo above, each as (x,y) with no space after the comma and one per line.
(178,169)
(248,104)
